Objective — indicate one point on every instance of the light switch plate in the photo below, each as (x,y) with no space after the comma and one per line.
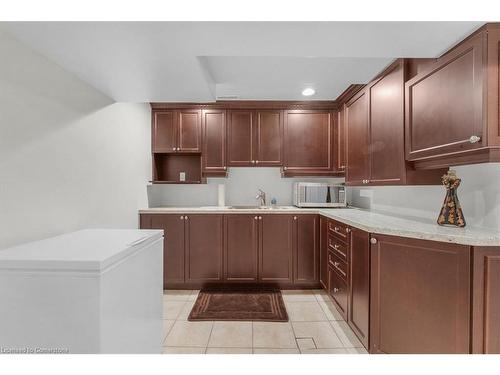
(182,176)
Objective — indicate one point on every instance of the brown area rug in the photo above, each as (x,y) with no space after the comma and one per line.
(239,303)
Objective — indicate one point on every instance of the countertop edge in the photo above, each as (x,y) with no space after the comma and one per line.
(483,237)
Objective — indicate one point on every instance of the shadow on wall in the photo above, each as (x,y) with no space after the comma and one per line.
(38,97)
(70,157)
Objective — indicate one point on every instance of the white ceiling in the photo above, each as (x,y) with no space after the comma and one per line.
(200,61)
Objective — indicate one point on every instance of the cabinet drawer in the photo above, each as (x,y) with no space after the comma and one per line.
(337,289)
(337,264)
(339,230)
(338,247)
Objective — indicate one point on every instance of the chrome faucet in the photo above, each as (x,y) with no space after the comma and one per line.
(262,197)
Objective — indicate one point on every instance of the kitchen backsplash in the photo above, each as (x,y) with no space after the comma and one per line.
(479,195)
(242,186)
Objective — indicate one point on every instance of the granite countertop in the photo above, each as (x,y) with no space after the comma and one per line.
(373,222)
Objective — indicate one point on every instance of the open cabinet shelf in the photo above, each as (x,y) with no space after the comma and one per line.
(167,168)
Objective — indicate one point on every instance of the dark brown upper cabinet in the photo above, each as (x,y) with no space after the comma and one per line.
(339,141)
(308,145)
(176,130)
(214,142)
(452,105)
(375,134)
(269,137)
(254,138)
(358,139)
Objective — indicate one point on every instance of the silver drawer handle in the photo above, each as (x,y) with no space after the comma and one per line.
(336,290)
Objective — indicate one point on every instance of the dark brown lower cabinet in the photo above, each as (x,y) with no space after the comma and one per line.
(241,247)
(276,249)
(420,296)
(359,285)
(323,252)
(203,248)
(486,301)
(339,291)
(306,249)
(173,245)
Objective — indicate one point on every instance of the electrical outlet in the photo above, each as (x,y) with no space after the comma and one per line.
(182,176)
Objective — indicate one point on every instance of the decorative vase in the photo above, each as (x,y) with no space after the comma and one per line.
(451,212)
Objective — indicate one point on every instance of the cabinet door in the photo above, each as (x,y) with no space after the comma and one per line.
(173,246)
(359,285)
(239,138)
(358,140)
(164,131)
(323,251)
(444,103)
(420,296)
(189,129)
(337,288)
(214,141)
(241,247)
(276,250)
(340,142)
(486,301)
(204,249)
(308,142)
(387,127)
(306,239)
(268,132)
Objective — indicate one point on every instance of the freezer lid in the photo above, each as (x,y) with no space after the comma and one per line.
(83,250)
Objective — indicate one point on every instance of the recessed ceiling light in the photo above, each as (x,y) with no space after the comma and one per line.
(308,91)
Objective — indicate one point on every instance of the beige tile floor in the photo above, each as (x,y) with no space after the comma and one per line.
(315,327)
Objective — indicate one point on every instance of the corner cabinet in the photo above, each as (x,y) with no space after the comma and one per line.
(308,143)
(452,106)
(375,134)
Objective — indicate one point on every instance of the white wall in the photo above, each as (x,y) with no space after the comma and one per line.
(479,195)
(242,186)
(69,157)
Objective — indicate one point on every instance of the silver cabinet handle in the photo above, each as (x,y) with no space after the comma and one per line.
(295,218)
(260,217)
(256,218)
(182,217)
(335,290)
(256,162)
(224,168)
(474,139)
(373,240)
(336,229)
(342,167)
(186,217)
(336,264)
(336,247)
(284,168)
(347,230)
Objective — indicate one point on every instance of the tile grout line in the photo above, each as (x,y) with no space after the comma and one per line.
(209,336)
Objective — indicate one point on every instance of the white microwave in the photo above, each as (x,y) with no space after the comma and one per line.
(319,194)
